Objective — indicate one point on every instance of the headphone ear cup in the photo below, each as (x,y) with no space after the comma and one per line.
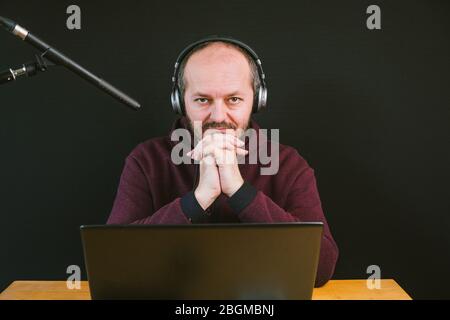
(261,99)
(176,102)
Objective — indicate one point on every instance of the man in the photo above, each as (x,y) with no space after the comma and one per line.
(217,82)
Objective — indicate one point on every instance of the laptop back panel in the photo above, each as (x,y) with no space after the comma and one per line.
(217,261)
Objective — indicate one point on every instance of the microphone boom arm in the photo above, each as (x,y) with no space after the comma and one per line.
(58,58)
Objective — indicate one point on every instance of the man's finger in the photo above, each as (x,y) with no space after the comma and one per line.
(200,152)
(241,151)
(218,135)
(215,142)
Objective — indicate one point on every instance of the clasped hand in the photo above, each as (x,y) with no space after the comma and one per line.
(219,171)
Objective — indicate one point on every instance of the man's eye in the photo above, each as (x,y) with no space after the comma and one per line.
(201,100)
(235,100)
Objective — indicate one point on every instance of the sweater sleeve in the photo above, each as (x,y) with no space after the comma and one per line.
(302,205)
(133,203)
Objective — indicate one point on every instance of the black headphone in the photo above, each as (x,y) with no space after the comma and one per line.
(176,99)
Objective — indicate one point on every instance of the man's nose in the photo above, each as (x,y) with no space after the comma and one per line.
(218,112)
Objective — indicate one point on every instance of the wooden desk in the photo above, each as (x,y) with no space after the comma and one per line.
(333,290)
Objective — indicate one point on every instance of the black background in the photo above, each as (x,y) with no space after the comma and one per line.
(369,110)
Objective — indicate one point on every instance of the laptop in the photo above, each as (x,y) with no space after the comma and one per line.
(202,261)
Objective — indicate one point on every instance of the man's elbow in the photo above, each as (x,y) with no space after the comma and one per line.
(327,265)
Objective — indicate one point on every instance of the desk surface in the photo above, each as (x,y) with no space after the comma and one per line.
(333,290)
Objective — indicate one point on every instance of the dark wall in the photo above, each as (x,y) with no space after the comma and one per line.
(369,110)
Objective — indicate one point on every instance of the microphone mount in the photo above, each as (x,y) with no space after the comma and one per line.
(29,69)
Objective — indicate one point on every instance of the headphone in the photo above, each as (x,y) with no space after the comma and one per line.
(260,97)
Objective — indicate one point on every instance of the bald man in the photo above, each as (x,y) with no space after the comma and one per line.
(218,81)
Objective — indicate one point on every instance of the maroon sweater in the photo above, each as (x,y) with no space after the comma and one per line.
(153,190)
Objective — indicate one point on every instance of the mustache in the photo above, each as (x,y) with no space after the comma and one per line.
(213,125)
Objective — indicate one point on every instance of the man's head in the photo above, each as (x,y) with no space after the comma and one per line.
(218,82)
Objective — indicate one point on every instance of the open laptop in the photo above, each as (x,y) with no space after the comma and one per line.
(202,261)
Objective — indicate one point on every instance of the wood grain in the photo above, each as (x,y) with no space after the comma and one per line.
(333,290)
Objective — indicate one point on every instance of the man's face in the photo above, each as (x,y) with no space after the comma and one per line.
(218,89)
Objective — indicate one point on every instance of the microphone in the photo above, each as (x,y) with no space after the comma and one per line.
(58,58)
